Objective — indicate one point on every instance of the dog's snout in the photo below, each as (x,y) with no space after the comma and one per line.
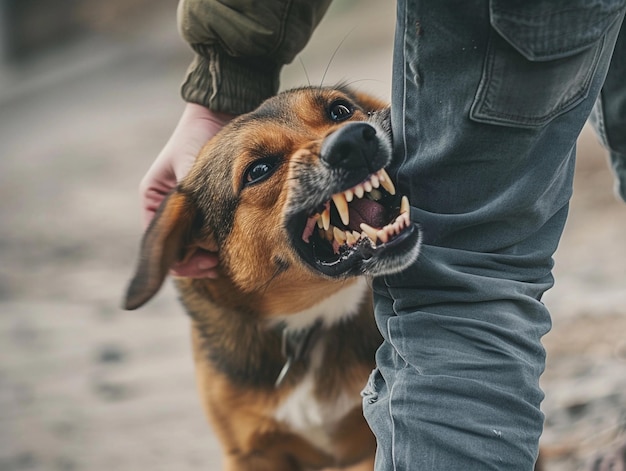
(352,146)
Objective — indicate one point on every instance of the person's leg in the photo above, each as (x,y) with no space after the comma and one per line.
(609,117)
(487,105)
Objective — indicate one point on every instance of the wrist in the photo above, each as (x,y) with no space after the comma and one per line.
(229,84)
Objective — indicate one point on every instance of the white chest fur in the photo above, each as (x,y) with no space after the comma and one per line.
(341,305)
(300,410)
(303,413)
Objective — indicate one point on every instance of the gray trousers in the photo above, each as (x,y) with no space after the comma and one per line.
(488,100)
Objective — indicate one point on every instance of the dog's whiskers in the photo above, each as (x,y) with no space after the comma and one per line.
(306,74)
(347,84)
(281,266)
(334,54)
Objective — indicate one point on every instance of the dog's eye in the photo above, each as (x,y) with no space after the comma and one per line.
(340,111)
(259,170)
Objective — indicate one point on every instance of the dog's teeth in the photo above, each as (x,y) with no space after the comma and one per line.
(356,235)
(385,182)
(400,222)
(403,220)
(359,191)
(326,217)
(342,207)
(375,182)
(404,205)
(383,236)
(349,194)
(320,224)
(406,217)
(370,232)
(367,186)
(350,239)
(388,185)
(340,236)
(329,234)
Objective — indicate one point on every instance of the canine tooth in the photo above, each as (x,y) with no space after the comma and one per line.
(359,191)
(326,217)
(386,182)
(367,186)
(342,207)
(340,236)
(404,205)
(349,194)
(370,232)
(320,224)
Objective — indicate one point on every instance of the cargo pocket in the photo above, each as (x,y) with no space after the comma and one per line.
(370,392)
(541,59)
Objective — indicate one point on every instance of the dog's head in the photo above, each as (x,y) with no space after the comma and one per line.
(295,190)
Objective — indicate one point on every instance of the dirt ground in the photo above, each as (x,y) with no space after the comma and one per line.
(87,386)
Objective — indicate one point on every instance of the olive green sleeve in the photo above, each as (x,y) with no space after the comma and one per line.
(241,46)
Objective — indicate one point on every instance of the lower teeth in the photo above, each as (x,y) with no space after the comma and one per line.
(339,238)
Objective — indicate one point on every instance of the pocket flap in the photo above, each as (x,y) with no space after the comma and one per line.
(543,31)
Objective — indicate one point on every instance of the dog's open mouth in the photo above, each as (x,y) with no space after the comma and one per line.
(343,235)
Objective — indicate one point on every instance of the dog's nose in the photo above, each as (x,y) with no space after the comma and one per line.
(354,145)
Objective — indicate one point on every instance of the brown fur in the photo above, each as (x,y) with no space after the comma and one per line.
(237,350)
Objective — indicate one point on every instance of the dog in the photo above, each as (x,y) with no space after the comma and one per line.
(295,198)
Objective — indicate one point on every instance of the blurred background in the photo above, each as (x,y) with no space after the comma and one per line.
(89,94)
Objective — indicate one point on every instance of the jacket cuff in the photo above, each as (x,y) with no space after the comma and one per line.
(229,84)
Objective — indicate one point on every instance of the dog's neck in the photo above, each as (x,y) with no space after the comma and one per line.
(337,307)
(300,331)
(260,363)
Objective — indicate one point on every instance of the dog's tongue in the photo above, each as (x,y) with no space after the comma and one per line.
(367,211)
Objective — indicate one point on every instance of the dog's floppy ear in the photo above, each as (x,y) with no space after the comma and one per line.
(163,244)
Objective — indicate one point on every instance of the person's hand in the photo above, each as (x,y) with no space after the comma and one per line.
(196,126)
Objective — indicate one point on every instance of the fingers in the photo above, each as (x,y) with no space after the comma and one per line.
(151,199)
(196,126)
(201,264)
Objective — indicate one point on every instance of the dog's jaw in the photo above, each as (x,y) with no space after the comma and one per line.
(345,218)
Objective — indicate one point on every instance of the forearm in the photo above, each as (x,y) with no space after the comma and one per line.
(241,48)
